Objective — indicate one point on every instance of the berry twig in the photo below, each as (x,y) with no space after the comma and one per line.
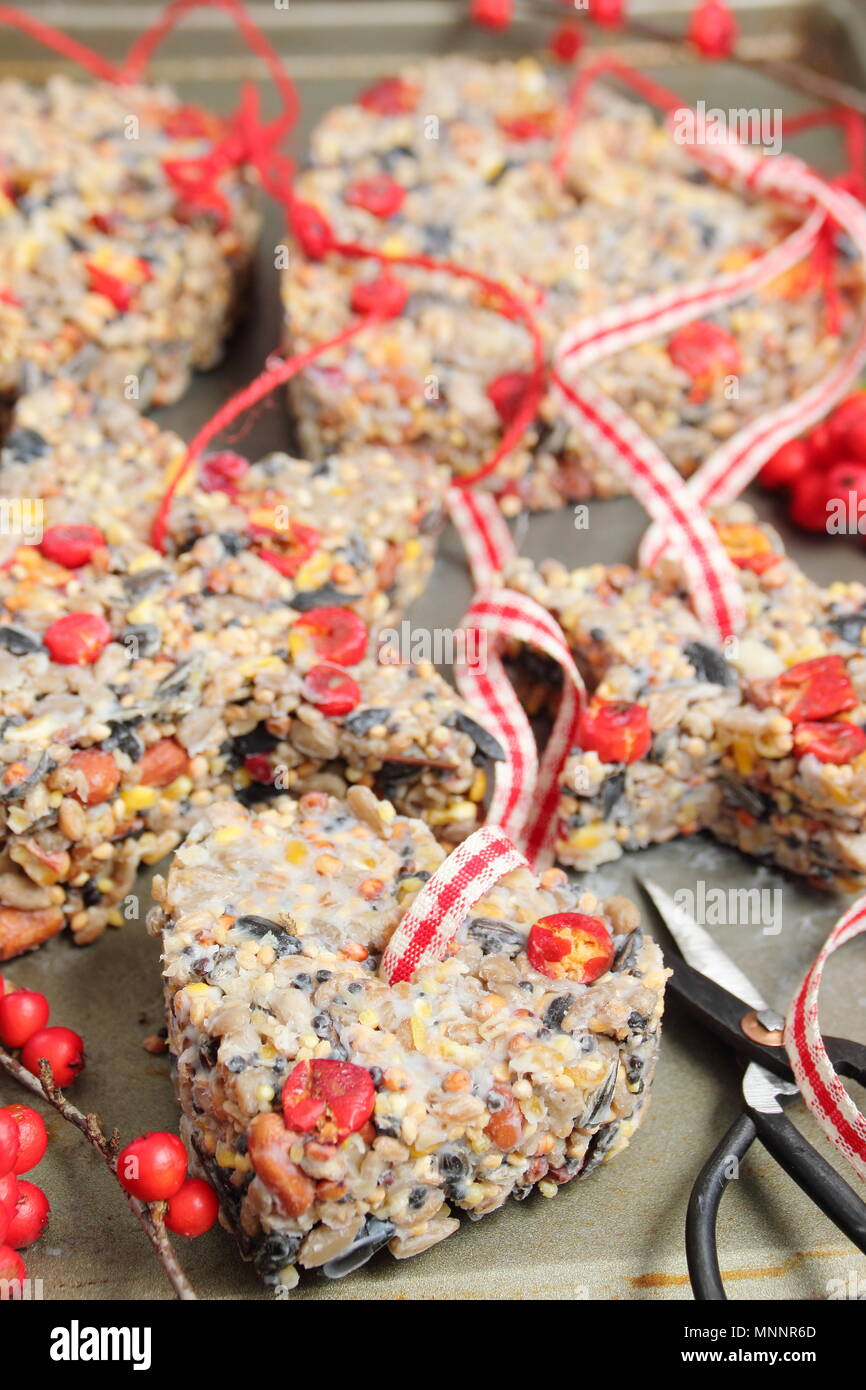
(149,1218)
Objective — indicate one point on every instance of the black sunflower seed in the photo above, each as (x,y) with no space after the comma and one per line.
(325,596)
(139,585)
(20,789)
(495,938)
(274,1253)
(557,1009)
(373,1235)
(23,446)
(484,742)
(19,642)
(710,665)
(366,719)
(142,639)
(849,626)
(287,944)
(258,740)
(613,788)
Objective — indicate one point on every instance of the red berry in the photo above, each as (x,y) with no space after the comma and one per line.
(220,472)
(32,1135)
(704,350)
(617,731)
(5,1223)
(391,96)
(570,945)
(332,1098)
(786,465)
(301,543)
(12,1268)
(712,29)
(823,446)
(507,393)
(846,498)
(62,1048)
(380,195)
(338,634)
(610,14)
(384,296)
(311,230)
(152,1167)
(21,1013)
(10,1143)
(493,14)
(830,741)
(77,639)
(193,1209)
(565,43)
(9,1193)
(72,546)
(31,1216)
(808,506)
(331,690)
(111,287)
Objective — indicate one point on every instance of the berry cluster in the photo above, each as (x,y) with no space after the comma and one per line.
(824,473)
(23,1018)
(24,1208)
(153,1168)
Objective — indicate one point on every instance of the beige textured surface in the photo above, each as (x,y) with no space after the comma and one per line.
(619,1234)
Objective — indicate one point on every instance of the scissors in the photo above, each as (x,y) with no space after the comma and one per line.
(721,997)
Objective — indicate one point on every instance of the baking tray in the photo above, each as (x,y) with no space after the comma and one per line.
(619,1234)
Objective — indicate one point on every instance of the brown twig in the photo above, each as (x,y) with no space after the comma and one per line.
(149,1218)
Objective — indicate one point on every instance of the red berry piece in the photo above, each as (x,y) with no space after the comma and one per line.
(220,472)
(258,765)
(301,541)
(193,1209)
(331,690)
(12,1269)
(712,29)
(830,741)
(338,634)
(385,296)
(808,506)
(100,772)
(570,945)
(507,393)
(492,14)
(389,97)
(32,1209)
(332,1099)
(10,1143)
(704,350)
(72,546)
(163,762)
(111,287)
(617,731)
(786,465)
(565,43)
(536,127)
(311,230)
(32,1136)
(77,639)
(152,1167)
(62,1048)
(380,195)
(21,1013)
(815,689)
(610,14)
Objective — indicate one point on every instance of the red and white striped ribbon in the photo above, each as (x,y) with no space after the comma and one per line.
(482,528)
(661,490)
(525,794)
(723,476)
(446,898)
(820,1087)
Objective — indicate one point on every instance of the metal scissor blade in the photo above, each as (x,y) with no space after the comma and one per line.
(700,950)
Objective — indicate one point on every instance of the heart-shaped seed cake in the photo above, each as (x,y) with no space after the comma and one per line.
(337,1113)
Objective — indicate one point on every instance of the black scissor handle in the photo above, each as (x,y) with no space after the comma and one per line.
(848,1057)
(812,1173)
(702,1250)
